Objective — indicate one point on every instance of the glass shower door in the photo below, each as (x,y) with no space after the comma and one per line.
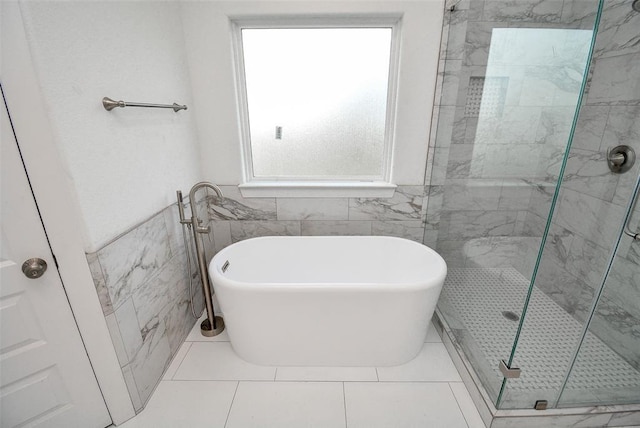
(579,340)
(611,374)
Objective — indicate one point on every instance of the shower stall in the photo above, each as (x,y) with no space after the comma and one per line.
(531,200)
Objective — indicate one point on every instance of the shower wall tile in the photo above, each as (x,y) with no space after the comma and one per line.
(610,84)
(100,284)
(590,127)
(618,32)
(241,230)
(579,13)
(406,204)
(134,257)
(622,126)
(539,11)
(413,230)
(587,216)
(313,208)
(335,228)
(470,224)
(515,195)
(588,173)
(233,206)
(450,82)
(474,195)
(456,28)
(624,286)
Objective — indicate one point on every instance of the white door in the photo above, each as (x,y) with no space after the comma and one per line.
(45,375)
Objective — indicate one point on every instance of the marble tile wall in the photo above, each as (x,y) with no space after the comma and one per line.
(235,218)
(490,195)
(593,200)
(487,171)
(143,286)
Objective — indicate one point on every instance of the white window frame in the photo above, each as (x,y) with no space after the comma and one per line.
(293,187)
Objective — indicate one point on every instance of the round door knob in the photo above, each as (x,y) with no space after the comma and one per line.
(34,268)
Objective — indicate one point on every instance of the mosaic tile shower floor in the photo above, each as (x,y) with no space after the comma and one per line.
(477,297)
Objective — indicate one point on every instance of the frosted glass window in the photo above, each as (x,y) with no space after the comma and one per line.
(317,101)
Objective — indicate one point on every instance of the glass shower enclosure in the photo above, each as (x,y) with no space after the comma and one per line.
(524,207)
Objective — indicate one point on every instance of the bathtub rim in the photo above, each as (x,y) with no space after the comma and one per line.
(436,279)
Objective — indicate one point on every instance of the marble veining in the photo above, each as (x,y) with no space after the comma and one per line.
(134,258)
(406,204)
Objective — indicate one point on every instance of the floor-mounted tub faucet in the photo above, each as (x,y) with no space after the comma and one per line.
(213,325)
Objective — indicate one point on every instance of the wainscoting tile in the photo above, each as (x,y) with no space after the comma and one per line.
(221,233)
(150,297)
(313,208)
(100,283)
(129,328)
(413,230)
(134,258)
(178,321)
(116,338)
(176,361)
(174,227)
(132,388)
(241,230)
(153,357)
(334,227)
(234,207)
(406,204)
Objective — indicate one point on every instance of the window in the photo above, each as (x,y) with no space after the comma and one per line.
(317,104)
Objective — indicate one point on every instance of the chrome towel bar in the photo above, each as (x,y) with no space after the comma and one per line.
(110,104)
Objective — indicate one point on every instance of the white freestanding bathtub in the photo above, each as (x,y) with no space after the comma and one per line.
(327,300)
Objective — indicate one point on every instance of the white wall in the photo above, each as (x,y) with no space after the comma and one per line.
(209,48)
(124,165)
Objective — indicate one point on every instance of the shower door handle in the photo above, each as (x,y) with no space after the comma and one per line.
(632,205)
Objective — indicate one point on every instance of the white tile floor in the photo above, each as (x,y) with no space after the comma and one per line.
(208,385)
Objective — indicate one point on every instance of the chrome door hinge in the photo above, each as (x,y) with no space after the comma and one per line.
(509,372)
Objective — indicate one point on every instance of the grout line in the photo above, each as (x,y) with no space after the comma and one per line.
(458,404)
(275,374)
(231,405)
(344,401)
(377,375)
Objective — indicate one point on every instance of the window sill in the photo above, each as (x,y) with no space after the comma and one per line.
(298,189)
